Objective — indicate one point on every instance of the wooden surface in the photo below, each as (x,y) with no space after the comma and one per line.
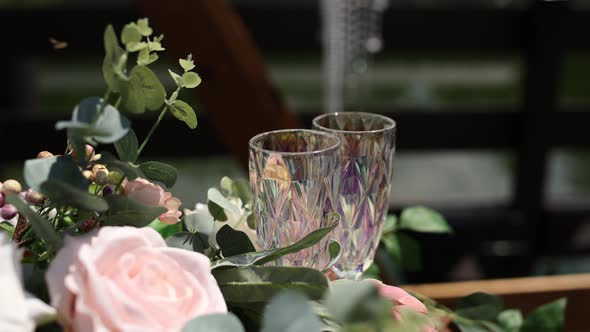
(523,293)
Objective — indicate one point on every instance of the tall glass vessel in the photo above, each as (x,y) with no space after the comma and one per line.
(367,146)
(294,182)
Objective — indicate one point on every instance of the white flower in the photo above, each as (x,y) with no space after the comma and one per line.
(19,311)
(236,221)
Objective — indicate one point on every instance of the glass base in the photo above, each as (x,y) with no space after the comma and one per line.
(349,275)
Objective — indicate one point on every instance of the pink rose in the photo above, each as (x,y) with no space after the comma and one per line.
(401,300)
(127,279)
(151,194)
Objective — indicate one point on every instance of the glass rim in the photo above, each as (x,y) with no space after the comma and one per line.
(334,146)
(392,125)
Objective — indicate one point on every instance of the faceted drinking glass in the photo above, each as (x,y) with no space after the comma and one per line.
(367,146)
(294,182)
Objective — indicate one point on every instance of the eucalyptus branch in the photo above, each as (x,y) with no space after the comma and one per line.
(151,132)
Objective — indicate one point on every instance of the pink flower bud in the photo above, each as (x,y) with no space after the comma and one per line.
(89,151)
(88,175)
(101,177)
(8,212)
(44,154)
(34,197)
(1,200)
(11,187)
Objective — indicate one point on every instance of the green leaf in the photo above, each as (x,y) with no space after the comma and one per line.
(127,147)
(137,46)
(186,64)
(61,192)
(191,80)
(112,61)
(423,219)
(177,78)
(124,211)
(547,318)
(356,301)
(61,168)
(404,249)
(214,323)
(260,283)
(251,220)
(233,242)
(199,221)
(155,45)
(241,188)
(372,272)
(184,112)
(226,184)
(80,129)
(144,91)
(157,171)
(165,230)
(217,197)
(8,228)
(130,170)
(181,240)
(265,256)
(111,44)
(492,327)
(106,127)
(196,242)
(335,250)
(144,27)
(145,57)
(110,120)
(290,312)
(390,224)
(216,211)
(511,320)
(130,34)
(41,226)
(480,306)
(471,326)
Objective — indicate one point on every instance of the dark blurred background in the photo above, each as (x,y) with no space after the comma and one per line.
(491,99)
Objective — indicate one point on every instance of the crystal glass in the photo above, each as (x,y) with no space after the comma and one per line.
(367,146)
(294,182)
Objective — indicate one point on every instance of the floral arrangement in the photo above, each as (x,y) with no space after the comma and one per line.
(100,239)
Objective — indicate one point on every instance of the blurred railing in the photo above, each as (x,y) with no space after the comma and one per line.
(540,34)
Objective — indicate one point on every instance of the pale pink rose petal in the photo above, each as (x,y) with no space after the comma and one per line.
(126,279)
(170,218)
(172,203)
(148,195)
(59,268)
(400,299)
(197,264)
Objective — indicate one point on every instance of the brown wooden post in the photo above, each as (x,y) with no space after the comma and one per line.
(237,94)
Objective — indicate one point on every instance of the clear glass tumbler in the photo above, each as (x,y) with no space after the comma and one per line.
(294,181)
(367,146)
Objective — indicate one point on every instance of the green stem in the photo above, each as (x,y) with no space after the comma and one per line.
(105,98)
(151,132)
(118,102)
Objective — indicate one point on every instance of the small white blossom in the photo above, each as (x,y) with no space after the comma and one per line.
(19,311)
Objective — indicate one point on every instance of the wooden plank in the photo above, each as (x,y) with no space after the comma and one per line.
(523,293)
(281,29)
(419,130)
